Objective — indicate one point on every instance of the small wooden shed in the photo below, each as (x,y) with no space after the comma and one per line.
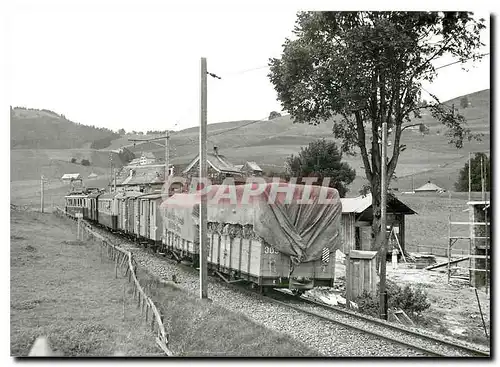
(361,273)
(357,218)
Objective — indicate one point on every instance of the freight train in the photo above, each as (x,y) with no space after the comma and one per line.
(270,243)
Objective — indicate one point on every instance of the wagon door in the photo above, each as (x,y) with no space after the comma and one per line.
(146,218)
(152,220)
(136,216)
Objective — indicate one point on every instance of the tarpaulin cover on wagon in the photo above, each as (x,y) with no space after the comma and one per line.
(297,220)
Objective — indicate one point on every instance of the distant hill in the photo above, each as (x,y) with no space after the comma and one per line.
(428,157)
(44,129)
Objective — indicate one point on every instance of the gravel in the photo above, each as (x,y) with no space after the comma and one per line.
(327,338)
(442,349)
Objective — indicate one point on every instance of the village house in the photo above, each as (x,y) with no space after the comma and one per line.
(69,177)
(144,159)
(430,188)
(218,168)
(145,178)
(251,169)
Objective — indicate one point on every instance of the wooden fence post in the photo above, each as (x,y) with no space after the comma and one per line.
(123,301)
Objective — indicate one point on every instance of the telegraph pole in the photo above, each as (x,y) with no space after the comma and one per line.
(383,225)
(470,185)
(167,167)
(203,176)
(41,191)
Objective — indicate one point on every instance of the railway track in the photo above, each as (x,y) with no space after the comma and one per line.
(424,344)
(427,344)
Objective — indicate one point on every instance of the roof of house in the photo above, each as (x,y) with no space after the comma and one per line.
(92,175)
(135,161)
(429,187)
(239,166)
(72,176)
(254,166)
(218,163)
(141,175)
(361,203)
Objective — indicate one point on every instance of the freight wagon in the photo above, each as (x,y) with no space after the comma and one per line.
(274,244)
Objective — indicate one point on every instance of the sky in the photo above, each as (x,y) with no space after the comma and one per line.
(139,68)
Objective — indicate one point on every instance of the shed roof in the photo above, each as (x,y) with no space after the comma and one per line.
(429,187)
(218,163)
(71,176)
(254,166)
(361,203)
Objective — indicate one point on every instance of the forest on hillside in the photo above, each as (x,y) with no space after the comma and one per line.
(45,129)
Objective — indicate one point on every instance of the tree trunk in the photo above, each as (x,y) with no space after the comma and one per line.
(376,207)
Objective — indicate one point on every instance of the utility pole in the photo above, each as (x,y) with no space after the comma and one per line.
(41,195)
(167,165)
(383,225)
(482,181)
(470,186)
(203,176)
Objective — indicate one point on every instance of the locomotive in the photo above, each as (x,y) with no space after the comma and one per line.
(275,244)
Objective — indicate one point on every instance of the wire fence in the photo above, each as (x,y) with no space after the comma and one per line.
(126,266)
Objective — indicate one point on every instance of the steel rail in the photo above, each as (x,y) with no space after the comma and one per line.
(414,333)
(368,319)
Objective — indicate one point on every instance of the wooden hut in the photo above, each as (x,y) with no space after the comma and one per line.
(357,218)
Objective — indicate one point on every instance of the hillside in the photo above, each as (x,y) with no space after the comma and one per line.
(428,157)
(44,129)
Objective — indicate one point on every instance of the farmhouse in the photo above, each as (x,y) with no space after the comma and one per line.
(68,177)
(144,159)
(218,168)
(357,218)
(251,169)
(429,187)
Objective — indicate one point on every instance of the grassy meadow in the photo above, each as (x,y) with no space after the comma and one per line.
(60,288)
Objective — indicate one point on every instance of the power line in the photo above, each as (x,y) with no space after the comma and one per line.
(458,61)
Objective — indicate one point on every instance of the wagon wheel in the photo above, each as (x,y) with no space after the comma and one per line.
(297,292)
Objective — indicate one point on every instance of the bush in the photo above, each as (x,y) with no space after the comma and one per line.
(73,160)
(85,162)
(411,299)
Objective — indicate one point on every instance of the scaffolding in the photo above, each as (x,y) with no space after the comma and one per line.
(478,269)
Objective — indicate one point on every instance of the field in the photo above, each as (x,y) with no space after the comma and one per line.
(429,227)
(60,288)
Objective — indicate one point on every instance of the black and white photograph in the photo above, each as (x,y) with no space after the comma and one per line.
(219,180)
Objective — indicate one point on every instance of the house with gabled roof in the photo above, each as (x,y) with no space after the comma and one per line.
(68,177)
(144,178)
(251,169)
(218,168)
(429,187)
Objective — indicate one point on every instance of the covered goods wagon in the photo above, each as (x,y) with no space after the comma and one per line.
(256,233)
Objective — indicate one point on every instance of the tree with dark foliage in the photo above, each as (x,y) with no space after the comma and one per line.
(274,115)
(363,68)
(322,159)
(475,175)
